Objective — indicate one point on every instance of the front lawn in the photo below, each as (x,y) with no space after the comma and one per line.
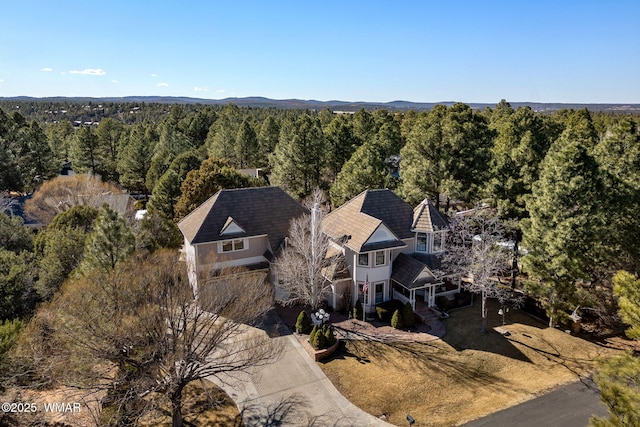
(465,375)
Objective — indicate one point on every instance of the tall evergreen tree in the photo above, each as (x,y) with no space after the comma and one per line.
(166,194)
(267,140)
(85,150)
(36,161)
(520,145)
(299,160)
(367,168)
(109,133)
(447,154)
(341,143)
(246,146)
(110,243)
(564,231)
(618,156)
(135,159)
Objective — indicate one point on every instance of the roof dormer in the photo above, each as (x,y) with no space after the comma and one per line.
(231,227)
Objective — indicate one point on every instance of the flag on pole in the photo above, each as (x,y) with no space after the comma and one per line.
(365,288)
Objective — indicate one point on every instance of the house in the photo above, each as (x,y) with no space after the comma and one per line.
(237,228)
(390,249)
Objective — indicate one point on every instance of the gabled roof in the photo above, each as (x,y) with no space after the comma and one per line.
(361,216)
(427,218)
(411,273)
(258,210)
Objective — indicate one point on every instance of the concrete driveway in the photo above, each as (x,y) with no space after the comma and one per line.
(292,391)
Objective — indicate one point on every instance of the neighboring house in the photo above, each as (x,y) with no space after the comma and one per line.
(391,247)
(237,228)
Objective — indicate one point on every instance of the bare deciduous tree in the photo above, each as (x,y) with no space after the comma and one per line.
(476,248)
(59,194)
(138,333)
(304,263)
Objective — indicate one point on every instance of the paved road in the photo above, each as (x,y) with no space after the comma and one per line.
(293,391)
(568,406)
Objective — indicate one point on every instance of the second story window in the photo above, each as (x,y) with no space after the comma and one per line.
(421,242)
(232,245)
(438,242)
(380,258)
(363,260)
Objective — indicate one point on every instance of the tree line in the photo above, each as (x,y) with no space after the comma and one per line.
(569,180)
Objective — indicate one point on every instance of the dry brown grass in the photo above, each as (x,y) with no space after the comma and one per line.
(204,405)
(465,375)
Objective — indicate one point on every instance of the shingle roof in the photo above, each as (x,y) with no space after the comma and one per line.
(427,218)
(258,210)
(407,271)
(362,215)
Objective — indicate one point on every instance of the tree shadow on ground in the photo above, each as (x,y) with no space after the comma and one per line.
(272,324)
(288,411)
(464,330)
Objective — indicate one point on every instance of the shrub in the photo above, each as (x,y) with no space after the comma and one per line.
(396,320)
(408,316)
(385,310)
(317,339)
(9,330)
(329,335)
(312,335)
(303,323)
(357,310)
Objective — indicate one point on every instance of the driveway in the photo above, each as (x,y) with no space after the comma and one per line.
(291,391)
(568,406)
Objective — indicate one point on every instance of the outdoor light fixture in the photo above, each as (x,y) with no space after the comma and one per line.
(411,420)
(322,316)
(502,312)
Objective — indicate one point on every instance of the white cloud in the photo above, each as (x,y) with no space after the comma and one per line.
(114,81)
(163,85)
(47,69)
(154,75)
(90,71)
(1,81)
(221,91)
(201,89)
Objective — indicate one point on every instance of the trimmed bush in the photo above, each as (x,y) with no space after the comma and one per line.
(312,335)
(357,310)
(396,320)
(408,316)
(385,310)
(319,341)
(303,323)
(329,335)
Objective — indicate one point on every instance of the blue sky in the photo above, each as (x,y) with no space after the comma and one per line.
(424,51)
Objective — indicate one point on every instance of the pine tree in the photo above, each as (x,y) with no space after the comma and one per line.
(110,243)
(563,232)
(166,194)
(246,146)
(299,160)
(135,159)
(617,377)
(447,153)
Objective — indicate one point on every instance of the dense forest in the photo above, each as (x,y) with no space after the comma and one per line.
(569,180)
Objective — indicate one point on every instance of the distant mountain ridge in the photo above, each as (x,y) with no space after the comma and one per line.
(335,105)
